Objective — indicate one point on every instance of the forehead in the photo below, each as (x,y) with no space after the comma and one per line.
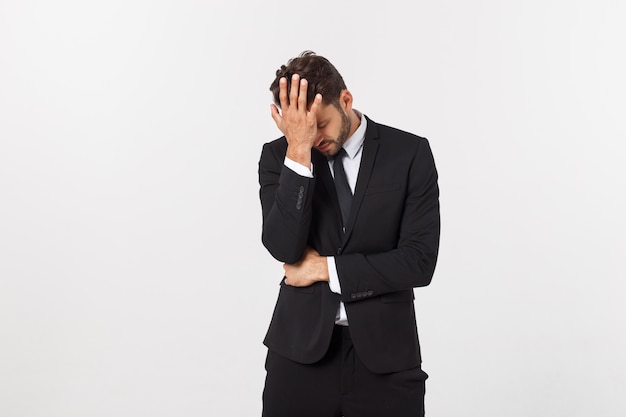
(326,112)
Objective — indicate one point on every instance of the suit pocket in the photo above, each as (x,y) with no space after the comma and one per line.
(375,189)
(404,296)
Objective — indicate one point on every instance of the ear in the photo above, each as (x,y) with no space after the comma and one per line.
(345,100)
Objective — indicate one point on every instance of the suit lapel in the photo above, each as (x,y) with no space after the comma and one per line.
(370,148)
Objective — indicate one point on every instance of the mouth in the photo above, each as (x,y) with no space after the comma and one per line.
(323,146)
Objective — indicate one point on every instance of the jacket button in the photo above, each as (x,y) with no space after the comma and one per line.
(353,296)
(339,251)
(370,292)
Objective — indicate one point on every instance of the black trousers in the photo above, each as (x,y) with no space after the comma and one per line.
(340,385)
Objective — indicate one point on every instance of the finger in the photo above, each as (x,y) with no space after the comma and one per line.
(282,94)
(293,94)
(276,114)
(285,274)
(302,96)
(316,103)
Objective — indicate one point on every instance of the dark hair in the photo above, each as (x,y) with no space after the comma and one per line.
(322,76)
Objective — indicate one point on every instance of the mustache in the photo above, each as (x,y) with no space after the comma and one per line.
(325,142)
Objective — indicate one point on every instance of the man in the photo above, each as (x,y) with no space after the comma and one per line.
(343,339)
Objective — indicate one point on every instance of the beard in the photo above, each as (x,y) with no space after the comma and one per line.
(343,134)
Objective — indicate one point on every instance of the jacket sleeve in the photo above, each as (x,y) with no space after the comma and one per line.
(286,200)
(411,263)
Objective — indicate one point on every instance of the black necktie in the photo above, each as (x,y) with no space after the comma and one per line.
(344,193)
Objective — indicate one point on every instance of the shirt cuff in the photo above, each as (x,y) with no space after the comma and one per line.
(333,276)
(299,168)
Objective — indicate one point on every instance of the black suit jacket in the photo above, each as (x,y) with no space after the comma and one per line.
(389,247)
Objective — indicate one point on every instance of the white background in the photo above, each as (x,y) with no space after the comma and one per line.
(132,277)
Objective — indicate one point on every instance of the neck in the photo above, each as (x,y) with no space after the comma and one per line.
(355,121)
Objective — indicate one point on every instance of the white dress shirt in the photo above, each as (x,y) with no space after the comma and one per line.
(351,164)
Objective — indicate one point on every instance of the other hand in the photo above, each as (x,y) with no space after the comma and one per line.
(310,269)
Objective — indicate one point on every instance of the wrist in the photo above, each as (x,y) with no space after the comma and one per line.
(323,269)
(301,155)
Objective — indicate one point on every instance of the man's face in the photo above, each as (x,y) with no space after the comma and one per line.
(333,129)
